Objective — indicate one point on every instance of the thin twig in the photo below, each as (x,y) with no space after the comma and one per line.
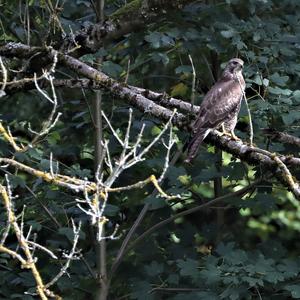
(154,228)
(127,72)
(292,183)
(193,85)
(30,261)
(4,77)
(74,254)
(124,249)
(249,113)
(49,252)
(167,158)
(112,129)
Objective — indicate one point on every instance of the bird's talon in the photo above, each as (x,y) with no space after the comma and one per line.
(230,135)
(234,137)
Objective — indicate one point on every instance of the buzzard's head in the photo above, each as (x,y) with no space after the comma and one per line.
(235,65)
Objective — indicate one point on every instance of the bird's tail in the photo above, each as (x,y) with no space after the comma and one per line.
(194,144)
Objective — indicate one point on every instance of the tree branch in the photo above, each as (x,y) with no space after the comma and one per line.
(132,17)
(141,99)
(282,137)
(154,228)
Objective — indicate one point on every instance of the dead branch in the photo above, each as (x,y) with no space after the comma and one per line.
(131,154)
(281,137)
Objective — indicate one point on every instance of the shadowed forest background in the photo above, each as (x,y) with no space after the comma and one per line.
(89,133)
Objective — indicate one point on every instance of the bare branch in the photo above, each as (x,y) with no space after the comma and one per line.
(30,261)
(112,129)
(8,137)
(281,137)
(154,228)
(74,254)
(142,102)
(4,78)
(286,174)
(52,119)
(193,85)
(167,158)
(36,245)
(248,111)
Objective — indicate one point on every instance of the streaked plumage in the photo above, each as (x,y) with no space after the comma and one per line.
(221,105)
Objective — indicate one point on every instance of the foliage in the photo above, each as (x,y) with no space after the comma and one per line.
(249,248)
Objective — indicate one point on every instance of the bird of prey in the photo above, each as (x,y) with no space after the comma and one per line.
(220,106)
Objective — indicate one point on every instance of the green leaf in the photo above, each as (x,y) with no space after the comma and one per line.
(184,179)
(291,117)
(154,269)
(234,171)
(65,283)
(208,174)
(225,249)
(257,79)
(154,38)
(111,210)
(68,232)
(179,89)
(21,157)
(252,281)
(227,33)
(279,80)
(266,82)
(140,291)
(229,279)
(279,91)
(294,289)
(155,130)
(161,57)
(274,277)
(173,279)
(35,225)
(88,58)
(112,69)
(206,295)
(261,202)
(211,275)
(53,138)
(27,279)
(192,34)
(16,181)
(177,174)
(289,268)
(231,255)
(296,96)
(183,69)
(77,172)
(287,51)
(188,267)
(155,202)
(233,293)
(256,36)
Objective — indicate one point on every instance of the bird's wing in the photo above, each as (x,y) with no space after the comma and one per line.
(218,103)
(194,143)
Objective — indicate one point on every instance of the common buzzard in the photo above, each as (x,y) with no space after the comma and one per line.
(220,106)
